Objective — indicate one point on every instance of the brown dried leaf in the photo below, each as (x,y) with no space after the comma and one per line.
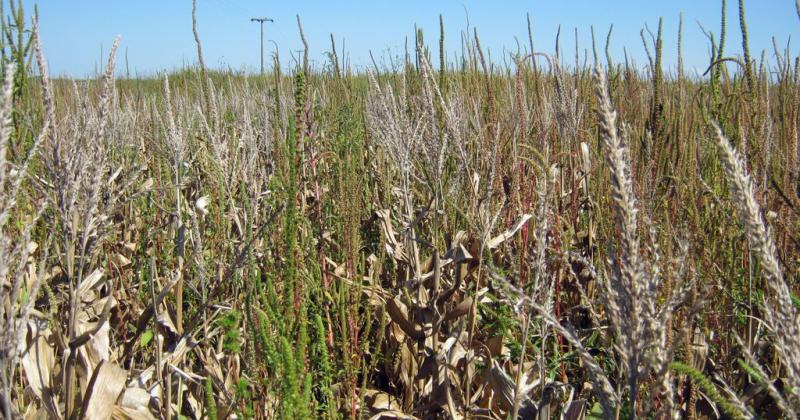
(89,283)
(106,384)
(121,260)
(499,239)
(380,401)
(459,310)
(33,413)
(393,246)
(98,348)
(38,362)
(457,254)
(399,314)
(504,387)
(393,414)
(134,405)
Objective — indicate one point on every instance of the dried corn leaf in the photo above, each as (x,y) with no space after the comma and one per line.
(98,348)
(178,352)
(393,246)
(34,413)
(399,314)
(456,255)
(105,387)
(499,239)
(504,387)
(127,413)
(213,368)
(129,246)
(121,260)
(379,401)
(134,405)
(453,256)
(393,414)
(89,283)
(164,320)
(461,309)
(38,362)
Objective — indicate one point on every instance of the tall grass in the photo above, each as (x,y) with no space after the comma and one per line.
(470,241)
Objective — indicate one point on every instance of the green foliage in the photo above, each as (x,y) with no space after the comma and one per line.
(498,318)
(324,371)
(146,338)
(232,337)
(16,43)
(244,394)
(211,403)
(295,396)
(708,388)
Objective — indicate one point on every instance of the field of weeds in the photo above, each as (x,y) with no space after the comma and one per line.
(554,238)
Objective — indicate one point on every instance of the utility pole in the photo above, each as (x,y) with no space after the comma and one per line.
(261,22)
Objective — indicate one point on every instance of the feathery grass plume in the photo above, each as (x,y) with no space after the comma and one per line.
(439,132)
(491,106)
(176,148)
(568,108)
(543,287)
(779,310)
(633,291)
(393,129)
(542,302)
(76,159)
(11,337)
(85,191)
(627,285)
(651,64)
(15,310)
(200,59)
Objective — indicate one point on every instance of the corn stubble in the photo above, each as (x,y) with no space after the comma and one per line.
(527,241)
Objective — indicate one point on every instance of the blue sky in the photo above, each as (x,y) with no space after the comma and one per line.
(157,35)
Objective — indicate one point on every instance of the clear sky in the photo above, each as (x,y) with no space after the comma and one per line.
(157,35)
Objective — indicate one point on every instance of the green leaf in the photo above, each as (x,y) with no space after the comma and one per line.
(146,338)
(596,412)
